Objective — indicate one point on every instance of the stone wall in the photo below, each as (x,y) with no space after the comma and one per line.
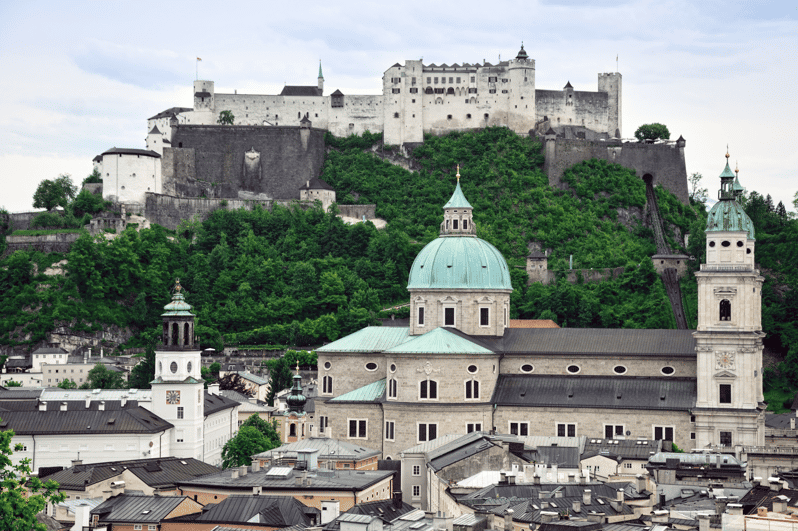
(20,220)
(220,161)
(664,162)
(60,242)
(358,211)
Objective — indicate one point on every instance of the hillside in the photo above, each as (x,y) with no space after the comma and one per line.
(300,278)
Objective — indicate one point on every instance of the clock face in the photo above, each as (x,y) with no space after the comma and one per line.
(724,360)
(173,397)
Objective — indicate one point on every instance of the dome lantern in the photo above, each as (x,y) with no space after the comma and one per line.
(178,322)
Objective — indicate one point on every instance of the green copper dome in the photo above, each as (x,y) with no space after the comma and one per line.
(727,215)
(459,262)
(178,306)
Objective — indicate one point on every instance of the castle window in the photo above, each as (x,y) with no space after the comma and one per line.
(414,90)
(449,117)
(427,432)
(416,491)
(327,385)
(421,316)
(472,90)
(396,91)
(396,115)
(613,430)
(492,91)
(473,79)
(504,91)
(429,80)
(451,80)
(519,428)
(389,430)
(358,428)
(439,91)
(468,117)
(484,317)
(392,388)
(436,80)
(298,115)
(450,90)
(487,116)
(472,390)
(467,104)
(566,430)
(458,80)
(428,390)
(416,470)
(663,433)
(292,430)
(725,393)
(448,317)
(428,90)
(492,79)
(725,438)
(725,310)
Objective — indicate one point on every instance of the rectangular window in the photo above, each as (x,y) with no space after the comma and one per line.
(429,80)
(663,433)
(327,385)
(454,221)
(458,80)
(395,91)
(472,90)
(725,394)
(357,428)
(180,412)
(414,90)
(725,438)
(448,317)
(427,432)
(492,79)
(519,428)
(477,426)
(416,491)
(421,316)
(492,91)
(389,430)
(436,80)
(416,470)
(152,527)
(566,430)
(613,430)
(137,527)
(451,80)
(472,390)
(484,316)
(627,465)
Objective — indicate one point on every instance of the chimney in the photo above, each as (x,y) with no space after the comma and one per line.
(243,470)
(86,354)
(641,483)
(780,504)
(63,406)
(593,516)
(257,490)
(547,516)
(660,517)
(577,506)
(82,515)
(329,511)
(762,511)
(255,465)
(616,505)
(397,499)
(502,478)
(508,520)
(511,479)
(571,477)
(88,401)
(101,353)
(775,484)
(124,400)
(792,423)
(543,494)
(234,473)
(703,522)
(544,505)
(582,478)
(536,479)
(586,498)
(101,406)
(734,509)
(76,462)
(619,495)
(720,504)
(213,389)
(42,406)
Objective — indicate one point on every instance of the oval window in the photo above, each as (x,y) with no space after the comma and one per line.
(327,365)
(667,371)
(573,369)
(739,243)
(619,369)
(393,367)
(527,368)
(712,244)
(173,367)
(725,243)
(371,366)
(748,251)
(188,367)
(472,369)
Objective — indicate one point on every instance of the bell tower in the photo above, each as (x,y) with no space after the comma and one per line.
(178,388)
(729,406)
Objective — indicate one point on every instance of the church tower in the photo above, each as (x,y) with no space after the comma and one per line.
(178,388)
(729,405)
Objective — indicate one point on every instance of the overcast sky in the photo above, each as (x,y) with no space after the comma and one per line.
(81,77)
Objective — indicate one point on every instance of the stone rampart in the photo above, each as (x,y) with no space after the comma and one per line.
(588,275)
(60,242)
(664,162)
(19,220)
(358,211)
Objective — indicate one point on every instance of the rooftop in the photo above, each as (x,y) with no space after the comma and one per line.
(277,478)
(137,508)
(328,449)
(272,511)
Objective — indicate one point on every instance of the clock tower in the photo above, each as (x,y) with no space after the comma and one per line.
(729,407)
(178,389)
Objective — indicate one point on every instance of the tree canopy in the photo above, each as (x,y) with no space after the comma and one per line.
(239,450)
(58,192)
(226,118)
(653,131)
(100,377)
(267,428)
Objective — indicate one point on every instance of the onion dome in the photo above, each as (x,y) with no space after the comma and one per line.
(522,55)
(727,215)
(296,400)
(178,306)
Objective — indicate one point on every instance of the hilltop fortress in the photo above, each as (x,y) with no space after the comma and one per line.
(276,148)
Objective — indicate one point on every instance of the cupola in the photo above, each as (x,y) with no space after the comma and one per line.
(458,219)
(178,322)
(296,400)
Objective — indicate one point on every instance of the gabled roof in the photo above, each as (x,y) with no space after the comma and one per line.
(369,339)
(760,496)
(438,341)
(137,508)
(300,90)
(568,85)
(170,111)
(272,511)
(49,349)
(372,392)
(216,403)
(328,449)
(533,323)
(386,510)
(337,93)
(154,130)
(254,378)
(316,184)
(674,394)
(157,472)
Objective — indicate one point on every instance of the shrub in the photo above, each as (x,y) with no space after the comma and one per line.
(652,132)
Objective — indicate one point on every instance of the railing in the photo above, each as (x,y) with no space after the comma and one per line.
(780,432)
(713,267)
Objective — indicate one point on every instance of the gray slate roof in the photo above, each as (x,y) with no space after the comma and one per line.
(272,511)
(137,508)
(300,90)
(316,184)
(320,480)
(170,111)
(216,403)
(627,449)
(131,151)
(328,449)
(157,472)
(675,394)
(26,419)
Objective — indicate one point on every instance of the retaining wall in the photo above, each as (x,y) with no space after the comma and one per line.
(49,243)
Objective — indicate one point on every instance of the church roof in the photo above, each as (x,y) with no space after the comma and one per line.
(439,341)
(605,392)
(368,393)
(459,262)
(300,90)
(458,200)
(727,215)
(369,339)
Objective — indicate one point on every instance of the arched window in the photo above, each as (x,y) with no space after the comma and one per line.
(327,385)
(428,390)
(292,430)
(186,335)
(175,334)
(725,310)
(472,389)
(166,334)
(392,388)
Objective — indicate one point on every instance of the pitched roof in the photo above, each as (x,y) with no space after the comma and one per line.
(386,510)
(625,448)
(300,90)
(131,151)
(137,508)
(254,378)
(156,472)
(272,511)
(328,448)
(170,111)
(760,496)
(459,449)
(316,184)
(439,341)
(216,403)
(154,130)
(675,394)
(368,393)
(337,93)
(369,339)
(279,479)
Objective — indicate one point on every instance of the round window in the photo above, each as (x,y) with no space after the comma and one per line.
(371,366)
(527,368)
(619,369)
(327,365)
(725,243)
(667,371)
(472,369)
(188,367)
(573,369)
(748,251)
(712,244)
(393,367)
(739,243)
(173,367)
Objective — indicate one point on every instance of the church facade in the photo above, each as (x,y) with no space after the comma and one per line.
(458,367)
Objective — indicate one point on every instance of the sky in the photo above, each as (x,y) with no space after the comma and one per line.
(81,77)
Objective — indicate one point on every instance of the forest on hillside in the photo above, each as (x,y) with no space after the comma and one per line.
(299,278)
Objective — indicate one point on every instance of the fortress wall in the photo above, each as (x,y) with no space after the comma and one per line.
(589,109)
(358,211)
(359,114)
(48,243)
(664,162)
(209,160)
(21,220)
(254,109)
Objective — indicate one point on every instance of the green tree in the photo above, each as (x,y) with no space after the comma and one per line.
(101,377)
(67,384)
(267,428)
(239,450)
(233,382)
(697,194)
(280,377)
(143,373)
(13,383)
(87,202)
(93,178)
(226,118)
(22,496)
(59,192)
(652,132)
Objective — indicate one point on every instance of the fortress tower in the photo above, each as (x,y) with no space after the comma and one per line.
(521,100)
(729,405)
(204,103)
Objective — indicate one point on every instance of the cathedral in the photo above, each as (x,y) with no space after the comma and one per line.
(459,368)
